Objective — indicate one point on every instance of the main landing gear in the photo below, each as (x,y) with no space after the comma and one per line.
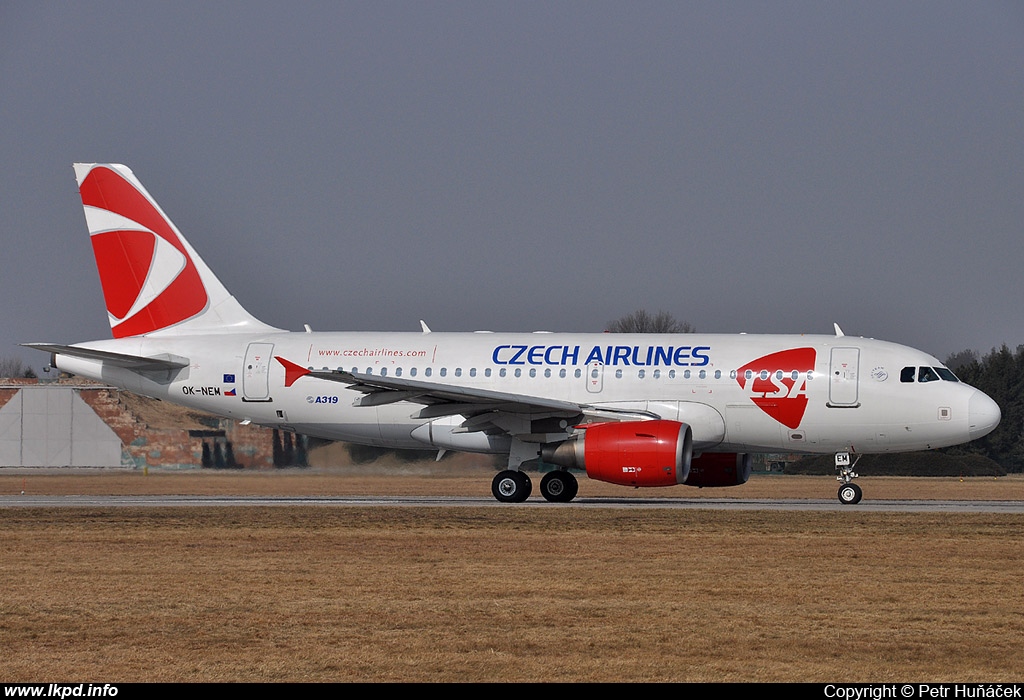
(849,493)
(514,486)
(559,486)
(511,486)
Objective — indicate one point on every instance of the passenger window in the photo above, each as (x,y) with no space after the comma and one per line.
(907,374)
(927,374)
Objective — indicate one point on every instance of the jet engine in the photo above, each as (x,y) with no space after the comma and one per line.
(631,453)
(719,469)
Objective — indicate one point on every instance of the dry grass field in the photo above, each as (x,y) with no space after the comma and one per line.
(505,594)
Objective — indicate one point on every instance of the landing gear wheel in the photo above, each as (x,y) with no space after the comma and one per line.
(850,494)
(559,486)
(511,486)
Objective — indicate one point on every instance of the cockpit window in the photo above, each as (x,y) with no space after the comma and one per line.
(926,374)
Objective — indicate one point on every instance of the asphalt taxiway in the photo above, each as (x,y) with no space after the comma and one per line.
(895,506)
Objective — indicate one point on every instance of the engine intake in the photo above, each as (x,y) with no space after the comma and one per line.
(631,453)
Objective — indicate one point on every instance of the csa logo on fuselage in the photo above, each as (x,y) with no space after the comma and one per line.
(777,383)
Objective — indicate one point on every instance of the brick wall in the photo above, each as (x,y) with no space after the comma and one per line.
(158,434)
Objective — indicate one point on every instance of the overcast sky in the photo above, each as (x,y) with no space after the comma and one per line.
(746,166)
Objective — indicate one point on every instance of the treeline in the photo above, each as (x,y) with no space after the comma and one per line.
(1000,374)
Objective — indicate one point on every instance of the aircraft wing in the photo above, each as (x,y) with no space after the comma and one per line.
(158,363)
(445,399)
(487,411)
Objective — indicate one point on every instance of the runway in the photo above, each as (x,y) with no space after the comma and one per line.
(894,506)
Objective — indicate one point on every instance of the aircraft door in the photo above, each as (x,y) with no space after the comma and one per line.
(256,372)
(595,377)
(843,370)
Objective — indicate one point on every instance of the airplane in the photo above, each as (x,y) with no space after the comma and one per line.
(637,410)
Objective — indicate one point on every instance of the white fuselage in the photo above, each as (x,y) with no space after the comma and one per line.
(739,393)
(634,410)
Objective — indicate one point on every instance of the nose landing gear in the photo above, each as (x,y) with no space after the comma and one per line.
(849,493)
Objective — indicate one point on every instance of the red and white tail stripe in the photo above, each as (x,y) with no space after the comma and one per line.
(153,280)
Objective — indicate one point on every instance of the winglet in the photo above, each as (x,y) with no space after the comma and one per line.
(292,371)
(423,325)
(839,331)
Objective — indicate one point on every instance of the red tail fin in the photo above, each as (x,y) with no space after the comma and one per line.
(152,278)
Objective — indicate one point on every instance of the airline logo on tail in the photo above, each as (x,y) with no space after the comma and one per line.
(149,281)
(777,384)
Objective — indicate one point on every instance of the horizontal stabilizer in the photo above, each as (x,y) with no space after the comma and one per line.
(158,363)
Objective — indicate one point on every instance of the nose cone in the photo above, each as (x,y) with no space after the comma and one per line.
(982,415)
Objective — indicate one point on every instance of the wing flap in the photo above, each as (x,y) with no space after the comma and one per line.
(439,399)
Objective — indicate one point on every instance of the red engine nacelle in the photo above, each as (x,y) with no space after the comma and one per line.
(634,453)
(719,469)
